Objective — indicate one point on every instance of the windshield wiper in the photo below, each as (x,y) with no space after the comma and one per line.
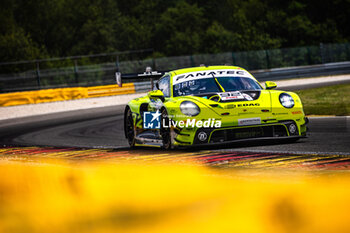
(217,83)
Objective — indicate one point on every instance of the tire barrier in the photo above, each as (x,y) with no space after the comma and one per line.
(61,94)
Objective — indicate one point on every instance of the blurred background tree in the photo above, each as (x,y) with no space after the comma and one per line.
(32,29)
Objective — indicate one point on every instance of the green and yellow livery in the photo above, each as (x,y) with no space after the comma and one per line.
(212,105)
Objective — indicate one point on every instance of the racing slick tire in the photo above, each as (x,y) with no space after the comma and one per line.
(129,128)
(165,132)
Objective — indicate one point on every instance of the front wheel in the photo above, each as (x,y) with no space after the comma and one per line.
(129,128)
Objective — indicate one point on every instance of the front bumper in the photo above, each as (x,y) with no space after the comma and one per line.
(281,130)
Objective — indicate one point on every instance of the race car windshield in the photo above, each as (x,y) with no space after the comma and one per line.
(209,85)
(238,83)
(195,87)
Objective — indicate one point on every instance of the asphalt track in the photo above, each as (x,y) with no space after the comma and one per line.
(103,128)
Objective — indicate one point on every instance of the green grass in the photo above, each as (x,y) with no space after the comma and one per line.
(331,100)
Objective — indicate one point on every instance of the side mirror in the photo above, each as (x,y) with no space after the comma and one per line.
(155,86)
(270,85)
(156,94)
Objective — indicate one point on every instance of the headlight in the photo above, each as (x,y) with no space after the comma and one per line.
(286,100)
(189,108)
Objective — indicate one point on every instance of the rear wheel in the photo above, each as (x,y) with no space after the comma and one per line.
(165,132)
(129,128)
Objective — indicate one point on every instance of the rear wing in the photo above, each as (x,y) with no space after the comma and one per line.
(152,75)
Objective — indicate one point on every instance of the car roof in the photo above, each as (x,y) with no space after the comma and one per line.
(203,68)
(176,73)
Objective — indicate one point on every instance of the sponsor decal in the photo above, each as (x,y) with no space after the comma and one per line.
(202,136)
(151,120)
(208,74)
(249,121)
(231,106)
(248,105)
(297,112)
(235,95)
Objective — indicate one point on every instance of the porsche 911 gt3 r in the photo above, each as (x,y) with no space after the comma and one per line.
(212,105)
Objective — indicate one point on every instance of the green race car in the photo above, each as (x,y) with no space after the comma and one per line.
(212,105)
